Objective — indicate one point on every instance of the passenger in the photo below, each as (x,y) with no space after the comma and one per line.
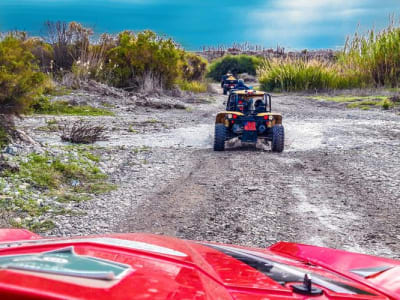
(241,86)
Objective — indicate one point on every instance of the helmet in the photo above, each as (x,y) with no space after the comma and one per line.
(241,82)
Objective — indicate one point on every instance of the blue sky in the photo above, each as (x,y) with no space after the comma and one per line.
(294,24)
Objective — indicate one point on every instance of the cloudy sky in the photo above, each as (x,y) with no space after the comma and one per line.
(294,24)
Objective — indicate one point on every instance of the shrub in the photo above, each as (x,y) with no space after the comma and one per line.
(235,64)
(20,78)
(303,75)
(144,60)
(82,132)
(193,67)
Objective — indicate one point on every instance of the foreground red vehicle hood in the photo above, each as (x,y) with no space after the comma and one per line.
(143,266)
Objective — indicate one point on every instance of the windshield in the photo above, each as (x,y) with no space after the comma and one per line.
(284,273)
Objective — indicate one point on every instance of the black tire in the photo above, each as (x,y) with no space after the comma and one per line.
(219,137)
(278,138)
(225,91)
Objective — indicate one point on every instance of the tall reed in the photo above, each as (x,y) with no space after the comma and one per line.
(303,75)
(367,60)
(376,55)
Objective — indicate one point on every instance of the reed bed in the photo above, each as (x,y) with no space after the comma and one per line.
(367,60)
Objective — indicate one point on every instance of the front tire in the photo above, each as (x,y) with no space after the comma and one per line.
(219,137)
(278,138)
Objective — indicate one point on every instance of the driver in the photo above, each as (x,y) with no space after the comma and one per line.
(225,77)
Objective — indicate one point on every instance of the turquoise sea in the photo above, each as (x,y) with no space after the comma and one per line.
(294,24)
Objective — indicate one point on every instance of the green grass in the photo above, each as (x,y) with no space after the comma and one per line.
(45,171)
(344,98)
(193,86)
(73,176)
(44,106)
(362,102)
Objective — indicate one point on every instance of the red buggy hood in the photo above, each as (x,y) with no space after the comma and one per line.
(144,266)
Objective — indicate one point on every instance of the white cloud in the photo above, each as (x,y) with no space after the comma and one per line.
(293,21)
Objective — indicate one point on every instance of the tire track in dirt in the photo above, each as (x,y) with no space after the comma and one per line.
(323,190)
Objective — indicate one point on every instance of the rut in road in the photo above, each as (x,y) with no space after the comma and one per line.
(178,206)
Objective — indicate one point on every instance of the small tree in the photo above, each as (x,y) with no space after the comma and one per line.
(20,79)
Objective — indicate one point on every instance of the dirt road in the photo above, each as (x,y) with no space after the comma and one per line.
(337,183)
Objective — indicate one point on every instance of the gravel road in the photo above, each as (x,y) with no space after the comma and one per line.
(337,183)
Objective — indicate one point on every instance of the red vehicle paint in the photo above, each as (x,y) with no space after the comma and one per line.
(159,267)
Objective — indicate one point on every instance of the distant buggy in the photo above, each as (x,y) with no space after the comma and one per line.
(228,83)
(249,117)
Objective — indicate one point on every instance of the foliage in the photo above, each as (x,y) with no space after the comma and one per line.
(193,86)
(43,52)
(144,60)
(375,55)
(234,64)
(20,78)
(42,105)
(303,75)
(46,171)
(371,59)
(36,192)
(193,67)
(362,102)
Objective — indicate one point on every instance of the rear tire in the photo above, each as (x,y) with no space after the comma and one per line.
(219,137)
(278,138)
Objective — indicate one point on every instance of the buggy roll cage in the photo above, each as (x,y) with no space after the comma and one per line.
(232,103)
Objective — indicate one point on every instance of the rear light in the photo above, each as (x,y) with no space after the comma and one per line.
(265,117)
(240,102)
(234,116)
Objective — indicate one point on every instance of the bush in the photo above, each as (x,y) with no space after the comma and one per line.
(20,78)
(303,75)
(145,61)
(235,64)
(82,132)
(193,67)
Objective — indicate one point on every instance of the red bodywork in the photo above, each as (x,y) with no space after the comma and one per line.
(168,268)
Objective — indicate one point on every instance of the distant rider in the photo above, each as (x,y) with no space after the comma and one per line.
(225,77)
(241,86)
